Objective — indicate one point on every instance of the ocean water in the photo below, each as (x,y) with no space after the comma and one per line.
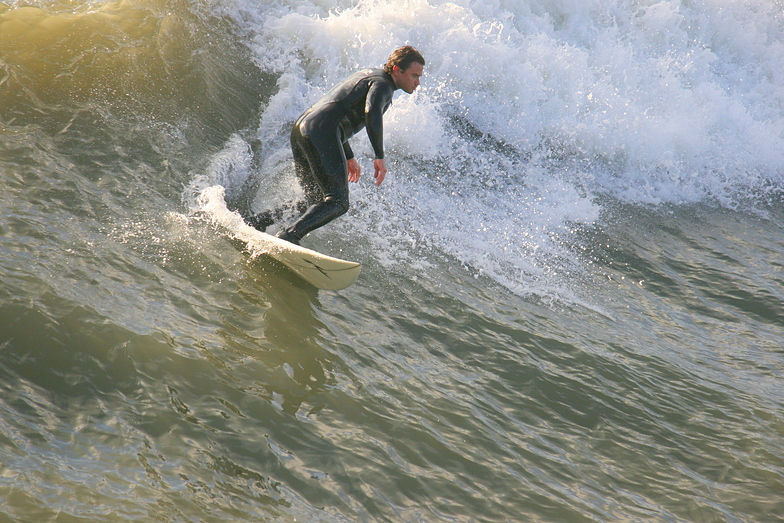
(571,306)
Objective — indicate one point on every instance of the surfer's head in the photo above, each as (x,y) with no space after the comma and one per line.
(405,65)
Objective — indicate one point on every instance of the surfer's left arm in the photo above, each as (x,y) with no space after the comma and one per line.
(347,150)
(353,169)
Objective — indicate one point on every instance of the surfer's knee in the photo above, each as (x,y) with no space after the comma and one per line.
(339,203)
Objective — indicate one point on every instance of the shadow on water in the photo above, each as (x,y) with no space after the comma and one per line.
(251,409)
(286,337)
(185,418)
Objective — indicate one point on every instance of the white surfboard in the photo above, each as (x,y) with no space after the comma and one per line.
(320,270)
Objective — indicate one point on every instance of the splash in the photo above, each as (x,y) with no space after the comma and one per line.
(530,113)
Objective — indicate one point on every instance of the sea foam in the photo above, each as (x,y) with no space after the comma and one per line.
(530,113)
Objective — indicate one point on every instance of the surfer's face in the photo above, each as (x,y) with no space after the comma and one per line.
(407,80)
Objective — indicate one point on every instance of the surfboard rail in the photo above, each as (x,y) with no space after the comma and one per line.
(320,270)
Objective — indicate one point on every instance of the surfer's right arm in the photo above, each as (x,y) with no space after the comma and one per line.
(381,170)
(379,98)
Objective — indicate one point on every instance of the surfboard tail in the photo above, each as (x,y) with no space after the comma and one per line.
(320,270)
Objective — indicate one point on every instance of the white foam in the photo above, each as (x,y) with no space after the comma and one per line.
(528,110)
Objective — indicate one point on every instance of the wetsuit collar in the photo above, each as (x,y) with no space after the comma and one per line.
(391,81)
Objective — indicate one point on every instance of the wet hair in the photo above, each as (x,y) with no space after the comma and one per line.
(403,58)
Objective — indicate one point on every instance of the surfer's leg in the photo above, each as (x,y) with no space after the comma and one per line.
(261,220)
(325,181)
(304,168)
(306,180)
(266,218)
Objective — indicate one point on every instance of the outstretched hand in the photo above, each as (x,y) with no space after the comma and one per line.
(381,170)
(353,170)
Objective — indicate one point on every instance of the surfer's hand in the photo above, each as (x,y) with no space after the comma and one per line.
(381,170)
(353,170)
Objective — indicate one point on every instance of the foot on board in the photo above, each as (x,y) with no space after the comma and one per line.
(261,221)
(289,237)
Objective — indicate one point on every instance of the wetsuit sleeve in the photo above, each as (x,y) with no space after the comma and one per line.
(347,150)
(378,99)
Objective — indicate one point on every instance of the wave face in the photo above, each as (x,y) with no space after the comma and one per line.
(532,116)
(570,307)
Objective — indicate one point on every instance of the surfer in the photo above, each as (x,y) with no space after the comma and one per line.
(323,159)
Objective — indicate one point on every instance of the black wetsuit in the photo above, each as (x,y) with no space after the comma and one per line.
(319,141)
